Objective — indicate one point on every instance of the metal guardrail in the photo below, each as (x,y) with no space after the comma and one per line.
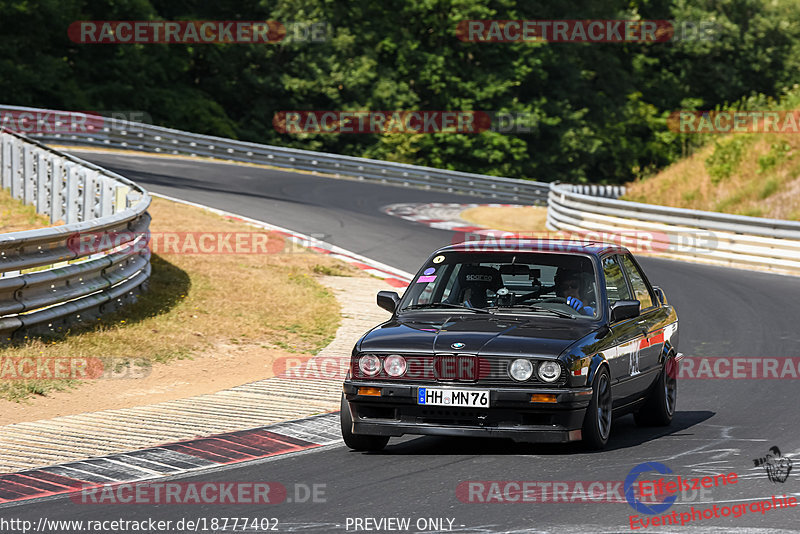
(113,133)
(707,237)
(47,280)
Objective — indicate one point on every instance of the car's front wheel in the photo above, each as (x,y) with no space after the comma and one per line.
(659,407)
(597,422)
(355,441)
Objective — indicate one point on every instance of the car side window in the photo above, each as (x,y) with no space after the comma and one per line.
(616,287)
(637,281)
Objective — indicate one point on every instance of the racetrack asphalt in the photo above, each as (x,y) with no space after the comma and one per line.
(720,425)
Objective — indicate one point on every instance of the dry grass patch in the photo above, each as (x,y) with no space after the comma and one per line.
(509,219)
(744,174)
(202,303)
(16,216)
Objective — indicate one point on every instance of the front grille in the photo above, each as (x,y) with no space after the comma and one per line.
(460,368)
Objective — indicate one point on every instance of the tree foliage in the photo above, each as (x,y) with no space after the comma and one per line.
(599,110)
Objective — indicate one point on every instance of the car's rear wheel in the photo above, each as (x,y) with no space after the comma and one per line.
(355,441)
(660,405)
(597,422)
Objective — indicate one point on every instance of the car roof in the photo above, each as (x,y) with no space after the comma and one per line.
(562,246)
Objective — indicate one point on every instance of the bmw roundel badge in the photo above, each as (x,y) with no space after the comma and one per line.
(458,345)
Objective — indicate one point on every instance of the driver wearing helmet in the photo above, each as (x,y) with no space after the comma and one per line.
(570,285)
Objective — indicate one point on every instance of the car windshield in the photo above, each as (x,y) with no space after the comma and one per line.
(555,284)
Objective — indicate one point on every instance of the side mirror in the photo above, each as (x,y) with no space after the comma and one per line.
(388,300)
(662,298)
(624,309)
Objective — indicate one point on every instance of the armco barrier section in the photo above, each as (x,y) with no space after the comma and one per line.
(113,133)
(707,237)
(47,282)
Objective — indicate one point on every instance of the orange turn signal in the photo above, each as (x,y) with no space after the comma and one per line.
(375,392)
(542,397)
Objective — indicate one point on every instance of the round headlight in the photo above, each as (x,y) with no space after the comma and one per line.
(394,365)
(520,369)
(369,364)
(549,371)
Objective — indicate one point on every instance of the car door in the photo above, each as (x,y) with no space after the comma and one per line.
(623,357)
(649,322)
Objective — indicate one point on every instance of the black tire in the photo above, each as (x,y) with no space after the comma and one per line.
(660,405)
(597,422)
(355,441)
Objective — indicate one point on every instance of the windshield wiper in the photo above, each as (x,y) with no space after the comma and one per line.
(444,305)
(540,309)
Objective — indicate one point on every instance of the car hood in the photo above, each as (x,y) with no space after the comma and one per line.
(482,335)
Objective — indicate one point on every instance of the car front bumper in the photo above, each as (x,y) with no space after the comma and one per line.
(511,413)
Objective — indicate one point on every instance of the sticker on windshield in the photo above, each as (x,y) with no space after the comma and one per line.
(438,259)
(430,270)
(426,279)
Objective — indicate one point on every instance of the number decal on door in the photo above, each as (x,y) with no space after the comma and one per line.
(633,361)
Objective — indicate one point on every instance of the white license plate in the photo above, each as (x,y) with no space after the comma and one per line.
(470,398)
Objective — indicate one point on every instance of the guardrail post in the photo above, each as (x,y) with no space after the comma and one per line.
(89,206)
(29,178)
(57,178)
(5,161)
(16,169)
(106,197)
(43,183)
(71,209)
(121,198)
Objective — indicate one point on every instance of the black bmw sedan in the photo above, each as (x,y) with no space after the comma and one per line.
(543,341)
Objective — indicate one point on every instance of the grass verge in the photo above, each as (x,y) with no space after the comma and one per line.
(509,219)
(16,216)
(755,174)
(197,303)
(744,174)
